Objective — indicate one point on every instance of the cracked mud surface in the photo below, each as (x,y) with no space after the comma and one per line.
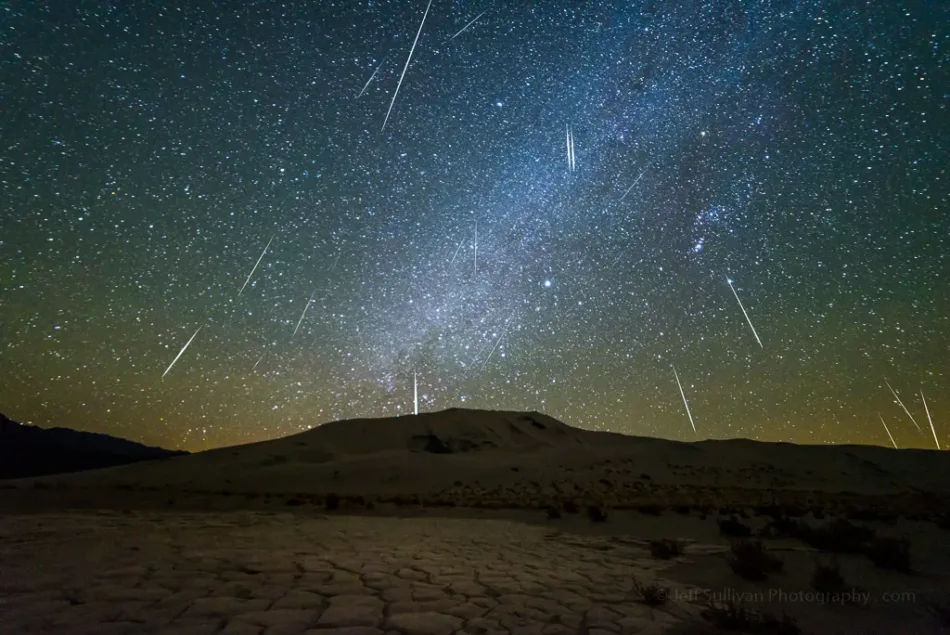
(282,574)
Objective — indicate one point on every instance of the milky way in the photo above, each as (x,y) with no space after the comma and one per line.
(149,152)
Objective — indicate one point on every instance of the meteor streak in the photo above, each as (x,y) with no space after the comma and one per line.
(257,263)
(685,403)
(893,392)
(300,321)
(631,187)
(888,431)
(570,148)
(408,59)
(498,341)
(476,248)
(468,25)
(371,78)
(183,349)
(934,432)
(457,250)
(729,280)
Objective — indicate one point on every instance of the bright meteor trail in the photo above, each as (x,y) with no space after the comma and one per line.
(906,411)
(257,263)
(475,19)
(408,59)
(729,280)
(181,352)
(685,403)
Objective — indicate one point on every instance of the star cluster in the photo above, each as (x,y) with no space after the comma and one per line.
(550,218)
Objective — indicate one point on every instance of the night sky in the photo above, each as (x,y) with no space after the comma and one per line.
(619,162)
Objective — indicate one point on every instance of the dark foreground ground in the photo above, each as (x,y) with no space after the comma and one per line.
(128,562)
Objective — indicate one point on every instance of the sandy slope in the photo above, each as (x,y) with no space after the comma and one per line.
(468,457)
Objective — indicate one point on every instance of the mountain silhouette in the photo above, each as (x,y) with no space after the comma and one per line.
(27,450)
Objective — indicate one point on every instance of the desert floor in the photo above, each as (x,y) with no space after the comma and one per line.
(430,572)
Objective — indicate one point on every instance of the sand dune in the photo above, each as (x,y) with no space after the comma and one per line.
(494,458)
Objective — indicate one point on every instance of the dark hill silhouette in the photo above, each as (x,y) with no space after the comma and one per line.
(27,450)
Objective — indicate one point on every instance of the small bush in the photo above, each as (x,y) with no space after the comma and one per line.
(650,510)
(890,553)
(652,594)
(731,616)
(597,514)
(827,578)
(868,515)
(332,502)
(751,561)
(794,511)
(837,536)
(732,527)
(570,507)
(682,510)
(666,548)
(786,526)
(294,502)
(941,612)
(553,513)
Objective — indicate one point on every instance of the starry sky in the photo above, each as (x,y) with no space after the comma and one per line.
(567,201)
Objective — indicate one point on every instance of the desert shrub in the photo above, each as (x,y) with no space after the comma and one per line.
(944,523)
(666,548)
(941,612)
(890,553)
(786,526)
(794,511)
(570,507)
(645,477)
(276,459)
(734,528)
(751,561)
(650,510)
(652,593)
(733,512)
(767,532)
(332,501)
(731,616)
(597,514)
(293,502)
(773,511)
(827,578)
(867,515)
(838,536)
(682,510)
(553,513)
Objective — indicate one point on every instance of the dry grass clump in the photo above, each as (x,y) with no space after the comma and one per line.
(666,548)
(751,561)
